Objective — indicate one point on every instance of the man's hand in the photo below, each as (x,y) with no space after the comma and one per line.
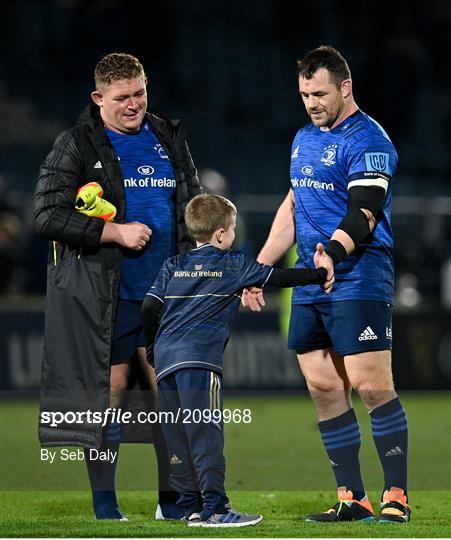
(321,258)
(133,235)
(253,298)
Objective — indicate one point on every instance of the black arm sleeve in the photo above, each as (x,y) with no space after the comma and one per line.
(369,197)
(152,310)
(293,277)
(355,223)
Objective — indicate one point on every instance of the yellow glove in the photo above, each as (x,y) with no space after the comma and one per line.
(89,202)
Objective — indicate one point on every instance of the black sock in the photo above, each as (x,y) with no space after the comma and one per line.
(341,438)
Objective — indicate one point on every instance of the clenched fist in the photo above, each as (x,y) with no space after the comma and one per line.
(133,235)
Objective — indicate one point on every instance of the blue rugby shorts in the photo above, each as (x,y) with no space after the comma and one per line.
(128,331)
(348,326)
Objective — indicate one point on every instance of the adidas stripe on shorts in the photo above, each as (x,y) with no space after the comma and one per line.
(348,326)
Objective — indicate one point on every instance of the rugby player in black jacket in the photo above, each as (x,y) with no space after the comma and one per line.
(93,335)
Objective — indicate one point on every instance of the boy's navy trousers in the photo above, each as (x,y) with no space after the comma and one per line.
(195,439)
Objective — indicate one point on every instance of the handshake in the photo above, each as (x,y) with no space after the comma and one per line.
(89,201)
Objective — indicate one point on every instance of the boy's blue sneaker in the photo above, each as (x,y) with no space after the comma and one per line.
(232,518)
(166,511)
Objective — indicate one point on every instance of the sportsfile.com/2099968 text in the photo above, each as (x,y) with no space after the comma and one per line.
(184,416)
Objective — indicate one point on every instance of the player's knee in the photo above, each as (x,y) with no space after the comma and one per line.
(324,386)
(323,400)
(373,394)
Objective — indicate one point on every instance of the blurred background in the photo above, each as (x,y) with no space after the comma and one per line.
(229,69)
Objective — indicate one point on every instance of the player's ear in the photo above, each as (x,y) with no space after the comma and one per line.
(346,88)
(96,96)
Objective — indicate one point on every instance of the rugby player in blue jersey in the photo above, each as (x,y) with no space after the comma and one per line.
(342,167)
(196,295)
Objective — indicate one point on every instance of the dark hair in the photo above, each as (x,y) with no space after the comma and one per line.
(117,66)
(326,57)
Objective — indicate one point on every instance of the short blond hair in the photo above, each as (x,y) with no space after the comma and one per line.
(207,213)
(115,67)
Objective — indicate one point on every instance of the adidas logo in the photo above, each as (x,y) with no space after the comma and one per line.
(175,460)
(367,334)
(295,153)
(394,452)
(98,165)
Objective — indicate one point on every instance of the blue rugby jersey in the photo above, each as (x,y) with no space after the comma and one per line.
(149,182)
(200,291)
(324,165)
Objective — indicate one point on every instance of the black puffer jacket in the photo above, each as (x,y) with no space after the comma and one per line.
(83,275)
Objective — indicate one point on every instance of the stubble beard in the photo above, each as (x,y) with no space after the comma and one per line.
(329,120)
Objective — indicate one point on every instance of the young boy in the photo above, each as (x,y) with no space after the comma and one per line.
(197,297)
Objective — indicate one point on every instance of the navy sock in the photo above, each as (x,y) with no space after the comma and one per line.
(389,425)
(341,438)
(102,474)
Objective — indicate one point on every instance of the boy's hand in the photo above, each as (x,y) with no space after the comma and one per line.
(321,258)
(253,298)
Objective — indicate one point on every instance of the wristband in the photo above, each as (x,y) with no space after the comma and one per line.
(336,251)
(322,275)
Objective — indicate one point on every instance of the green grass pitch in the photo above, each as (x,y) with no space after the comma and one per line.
(275,465)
